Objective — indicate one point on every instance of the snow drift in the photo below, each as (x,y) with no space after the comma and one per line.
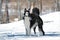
(51,24)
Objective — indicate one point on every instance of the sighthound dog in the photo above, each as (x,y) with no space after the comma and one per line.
(33,20)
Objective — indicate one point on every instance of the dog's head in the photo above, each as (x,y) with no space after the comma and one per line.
(26,12)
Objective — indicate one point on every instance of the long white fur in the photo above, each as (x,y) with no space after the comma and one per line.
(27,26)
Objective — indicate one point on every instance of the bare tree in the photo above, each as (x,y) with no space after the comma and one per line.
(31,4)
(1,11)
(40,6)
(57,5)
(7,20)
(19,10)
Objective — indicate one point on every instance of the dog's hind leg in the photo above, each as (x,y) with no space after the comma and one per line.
(40,25)
(41,32)
(40,28)
(34,29)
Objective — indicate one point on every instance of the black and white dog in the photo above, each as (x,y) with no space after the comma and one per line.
(33,20)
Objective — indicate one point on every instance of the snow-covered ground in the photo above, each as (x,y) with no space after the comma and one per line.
(16,30)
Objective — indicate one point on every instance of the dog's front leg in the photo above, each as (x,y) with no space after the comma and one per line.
(28,31)
(27,26)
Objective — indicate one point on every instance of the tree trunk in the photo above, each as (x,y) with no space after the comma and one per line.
(19,10)
(58,6)
(41,6)
(7,19)
(1,15)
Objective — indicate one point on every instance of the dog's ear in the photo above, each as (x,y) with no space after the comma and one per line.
(24,9)
(29,9)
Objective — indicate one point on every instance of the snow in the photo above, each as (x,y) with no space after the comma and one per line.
(16,30)
(51,22)
(12,27)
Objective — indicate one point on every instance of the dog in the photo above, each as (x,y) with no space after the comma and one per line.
(33,20)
